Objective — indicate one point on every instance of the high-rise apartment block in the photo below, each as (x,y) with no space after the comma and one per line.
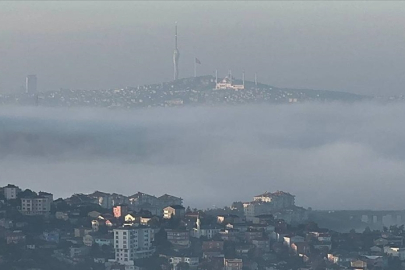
(31,84)
(133,242)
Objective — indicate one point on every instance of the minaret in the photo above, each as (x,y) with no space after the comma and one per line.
(216,79)
(243,79)
(176,56)
(198,229)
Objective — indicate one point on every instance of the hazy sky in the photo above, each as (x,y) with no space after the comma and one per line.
(351,46)
(331,156)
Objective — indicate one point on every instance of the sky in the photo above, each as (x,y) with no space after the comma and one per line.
(347,46)
(330,156)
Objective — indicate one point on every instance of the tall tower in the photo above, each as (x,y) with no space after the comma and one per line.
(176,56)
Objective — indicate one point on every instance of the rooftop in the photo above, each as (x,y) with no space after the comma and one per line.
(176,206)
(11,186)
(274,194)
(167,196)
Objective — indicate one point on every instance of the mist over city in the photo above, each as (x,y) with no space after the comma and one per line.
(202,135)
(342,153)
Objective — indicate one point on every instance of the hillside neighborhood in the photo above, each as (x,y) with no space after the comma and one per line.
(194,91)
(116,232)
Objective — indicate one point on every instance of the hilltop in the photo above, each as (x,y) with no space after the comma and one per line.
(188,91)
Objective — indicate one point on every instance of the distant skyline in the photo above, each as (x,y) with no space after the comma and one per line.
(346,46)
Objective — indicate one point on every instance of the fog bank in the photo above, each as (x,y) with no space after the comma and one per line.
(331,156)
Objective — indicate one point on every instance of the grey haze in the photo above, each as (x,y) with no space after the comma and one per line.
(347,46)
(331,156)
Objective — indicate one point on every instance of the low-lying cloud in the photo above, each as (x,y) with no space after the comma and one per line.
(331,156)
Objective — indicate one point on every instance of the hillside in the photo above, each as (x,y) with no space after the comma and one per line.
(188,91)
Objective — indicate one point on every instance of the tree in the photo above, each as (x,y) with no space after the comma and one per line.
(367,230)
(237,205)
(183,266)
(312,226)
(26,194)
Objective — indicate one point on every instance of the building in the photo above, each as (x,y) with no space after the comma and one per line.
(105,200)
(300,248)
(120,210)
(37,205)
(52,236)
(140,198)
(358,264)
(88,240)
(263,219)
(179,238)
(11,191)
(80,232)
(145,202)
(62,215)
(213,249)
(395,252)
(105,240)
(6,223)
(130,218)
(227,83)
(174,211)
(208,230)
(15,237)
(46,195)
(288,240)
(262,244)
(167,200)
(31,84)
(191,261)
(233,264)
(229,218)
(279,204)
(132,242)
(280,199)
(251,234)
(213,245)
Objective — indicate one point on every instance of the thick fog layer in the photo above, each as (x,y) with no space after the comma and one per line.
(331,156)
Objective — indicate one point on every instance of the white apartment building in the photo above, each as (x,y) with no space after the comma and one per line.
(233,264)
(206,231)
(132,242)
(191,261)
(267,203)
(37,205)
(11,191)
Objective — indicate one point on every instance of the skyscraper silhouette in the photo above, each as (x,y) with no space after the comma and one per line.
(31,84)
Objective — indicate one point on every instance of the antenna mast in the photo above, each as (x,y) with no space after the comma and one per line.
(176,55)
